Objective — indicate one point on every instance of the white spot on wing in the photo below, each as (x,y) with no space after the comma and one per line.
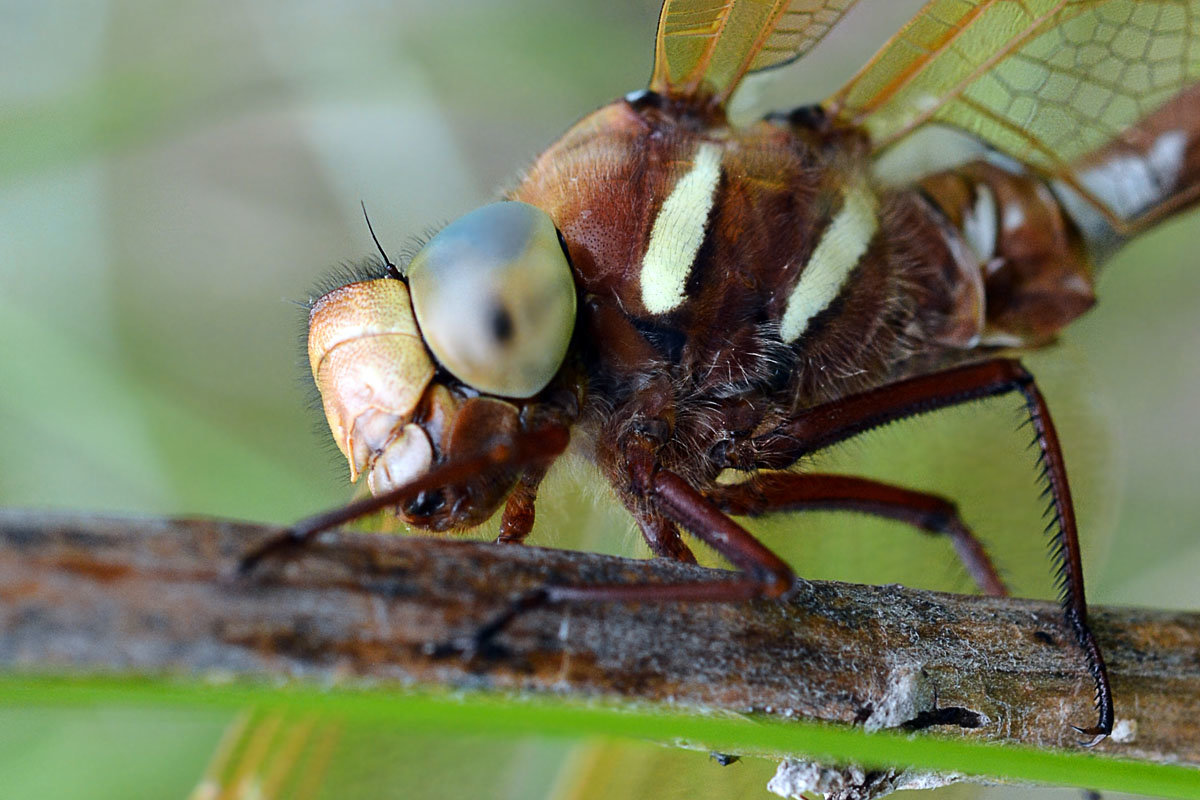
(678,232)
(837,254)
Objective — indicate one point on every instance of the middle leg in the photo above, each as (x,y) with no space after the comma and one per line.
(793,491)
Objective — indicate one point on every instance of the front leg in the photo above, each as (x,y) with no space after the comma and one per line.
(661,535)
(530,451)
(517,520)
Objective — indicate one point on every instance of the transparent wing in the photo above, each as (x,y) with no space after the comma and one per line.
(1049,82)
(705,47)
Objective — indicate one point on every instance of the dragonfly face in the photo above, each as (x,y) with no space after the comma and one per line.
(491,298)
(693,297)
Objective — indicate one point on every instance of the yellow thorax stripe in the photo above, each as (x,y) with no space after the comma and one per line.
(678,232)
(842,245)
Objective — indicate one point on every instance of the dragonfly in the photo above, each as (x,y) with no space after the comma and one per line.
(679,298)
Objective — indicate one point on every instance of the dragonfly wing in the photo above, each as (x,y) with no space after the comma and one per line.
(1051,83)
(705,47)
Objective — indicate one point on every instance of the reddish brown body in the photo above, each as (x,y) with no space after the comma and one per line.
(715,371)
(743,297)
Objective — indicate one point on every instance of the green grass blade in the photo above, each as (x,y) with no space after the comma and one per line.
(506,716)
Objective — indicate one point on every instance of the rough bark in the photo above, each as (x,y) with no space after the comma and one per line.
(80,593)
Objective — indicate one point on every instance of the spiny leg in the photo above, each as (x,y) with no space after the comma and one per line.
(793,491)
(847,417)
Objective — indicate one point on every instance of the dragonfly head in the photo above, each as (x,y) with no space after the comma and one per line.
(439,364)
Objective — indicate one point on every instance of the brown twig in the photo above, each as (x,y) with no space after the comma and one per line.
(81,593)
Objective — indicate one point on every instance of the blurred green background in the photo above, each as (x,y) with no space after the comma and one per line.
(176,176)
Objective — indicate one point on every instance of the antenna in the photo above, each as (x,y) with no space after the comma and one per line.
(391,268)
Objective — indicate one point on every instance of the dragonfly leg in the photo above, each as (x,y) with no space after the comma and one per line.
(662,536)
(770,492)
(762,573)
(534,448)
(517,520)
(847,417)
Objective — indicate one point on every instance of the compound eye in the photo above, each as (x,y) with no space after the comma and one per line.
(495,299)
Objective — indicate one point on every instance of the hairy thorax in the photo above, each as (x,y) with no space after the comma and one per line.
(730,277)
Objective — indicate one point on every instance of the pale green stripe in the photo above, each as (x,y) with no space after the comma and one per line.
(837,254)
(678,232)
